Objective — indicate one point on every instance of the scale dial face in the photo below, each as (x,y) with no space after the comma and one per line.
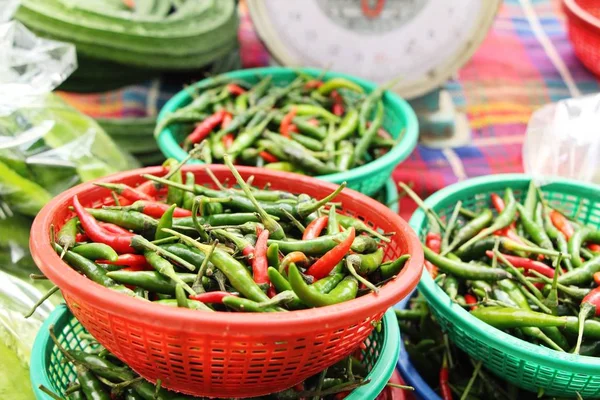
(422,41)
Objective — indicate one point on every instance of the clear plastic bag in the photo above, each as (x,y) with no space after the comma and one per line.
(563,139)
(46,146)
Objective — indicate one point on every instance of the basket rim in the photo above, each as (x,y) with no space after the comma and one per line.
(492,336)
(379,375)
(574,10)
(301,320)
(170,148)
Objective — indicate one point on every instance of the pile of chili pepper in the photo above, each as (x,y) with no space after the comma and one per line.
(102,376)
(522,267)
(310,126)
(448,370)
(225,249)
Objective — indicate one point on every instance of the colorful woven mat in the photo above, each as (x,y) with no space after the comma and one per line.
(526,61)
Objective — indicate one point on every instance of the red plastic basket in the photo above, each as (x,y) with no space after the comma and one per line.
(226,354)
(583,18)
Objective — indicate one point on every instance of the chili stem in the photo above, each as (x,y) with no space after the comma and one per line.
(197,285)
(167,254)
(451,225)
(38,303)
(49,392)
(415,197)
(293,219)
(471,381)
(360,278)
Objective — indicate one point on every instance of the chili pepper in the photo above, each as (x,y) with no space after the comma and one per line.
(81,237)
(345,157)
(248,136)
(348,126)
(562,224)
(338,83)
(311,110)
(315,228)
(126,191)
(188,197)
(313,84)
(116,229)
(368,263)
(211,297)
(526,263)
(577,240)
(203,129)
(471,301)
(259,89)
(244,305)
(165,268)
(260,263)
(234,89)
(464,270)
(67,235)
(450,287)
(77,395)
(153,281)
(227,118)
(149,188)
(309,295)
(308,142)
(130,260)
(582,274)
(284,126)
(392,268)
(530,204)
(217,220)
(228,140)
(273,255)
(365,140)
(597,278)
(121,244)
(307,161)
(166,221)
(96,251)
(136,221)
(338,104)
(472,228)
(192,304)
(243,245)
(157,210)
(303,127)
(536,232)
(236,273)
(445,390)
(268,157)
(505,218)
(91,386)
(506,318)
(590,305)
(292,258)
(325,264)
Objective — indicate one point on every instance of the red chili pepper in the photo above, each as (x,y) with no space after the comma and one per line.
(323,266)
(526,263)
(293,128)
(284,127)
(126,191)
(471,300)
(228,140)
(211,297)
(123,201)
(260,264)
(561,223)
(112,228)
(293,257)
(156,209)
(509,233)
(148,187)
(135,269)
(338,103)
(120,243)
(271,292)
(341,395)
(313,121)
(434,242)
(539,285)
(597,278)
(590,305)
(227,118)
(235,90)
(445,389)
(313,84)
(259,229)
(81,237)
(497,202)
(313,230)
(130,260)
(268,157)
(204,128)
(594,247)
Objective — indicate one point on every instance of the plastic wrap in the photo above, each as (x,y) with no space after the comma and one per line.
(563,139)
(46,147)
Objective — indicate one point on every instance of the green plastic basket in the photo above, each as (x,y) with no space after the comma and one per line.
(367,179)
(526,365)
(46,367)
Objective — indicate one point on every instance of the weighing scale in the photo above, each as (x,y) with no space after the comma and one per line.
(422,42)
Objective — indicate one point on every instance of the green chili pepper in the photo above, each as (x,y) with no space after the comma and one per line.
(241,102)
(101,366)
(582,274)
(450,286)
(313,247)
(535,231)
(132,220)
(174,195)
(273,255)
(66,235)
(464,270)
(338,83)
(304,127)
(259,90)
(580,237)
(345,158)
(309,295)
(166,221)
(392,268)
(365,140)
(472,228)
(531,200)
(153,281)
(368,263)
(244,305)
(555,235)
(90,385)
(96,251)
(309,143)
(246,138)
(188,197)
(165,268)
(191,304)
(308,162)
(311,110)
(505,218)
(77,395)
